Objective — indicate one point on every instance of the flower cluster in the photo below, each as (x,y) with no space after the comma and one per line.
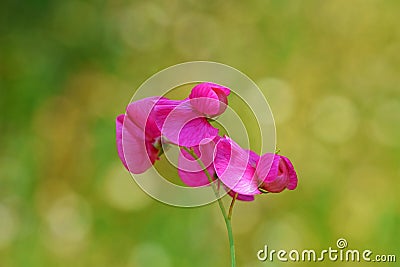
(151,122)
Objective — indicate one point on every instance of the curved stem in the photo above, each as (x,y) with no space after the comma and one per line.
(227,217)
(231,206)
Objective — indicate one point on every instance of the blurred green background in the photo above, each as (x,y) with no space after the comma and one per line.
(329,69)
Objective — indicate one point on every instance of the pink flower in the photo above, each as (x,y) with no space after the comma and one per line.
(245,172)
(185,122)
(192,174)
(190,171)
(276,172)
(209,99)
(138,137)
(240,196)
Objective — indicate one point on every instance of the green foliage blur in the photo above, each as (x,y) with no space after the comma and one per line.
(329,69)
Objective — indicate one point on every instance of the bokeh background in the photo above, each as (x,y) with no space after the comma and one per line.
(329,69)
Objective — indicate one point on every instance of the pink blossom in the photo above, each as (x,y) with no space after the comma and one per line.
(209,99)
(192,173)
(245,172)
(186,122)
(138,137)
(240,196)
(277,176)
(189,169)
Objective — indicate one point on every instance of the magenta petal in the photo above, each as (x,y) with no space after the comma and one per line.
(225,90)
(292,174)
(183,126)
(267,167)
(195,131)
(277,178)
(254,158)
(137,134)
(138,152)
(162,111)
(231,163)
(223,101)
(240,196)
(197,178)
(190,171)
(204,100)
(209,98)
(204,153)
(119,124)
(140,111)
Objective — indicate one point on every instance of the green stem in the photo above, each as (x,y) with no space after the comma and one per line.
(231,242)
(227,217)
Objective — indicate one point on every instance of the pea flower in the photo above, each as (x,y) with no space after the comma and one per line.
(189,169)
(192,173)
(246,173)
(138,137)
(186,122)
(204,156)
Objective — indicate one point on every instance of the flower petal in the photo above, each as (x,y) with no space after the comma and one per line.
(267,167)
(137,153)
(189,169)
(232,166)
(277,178)
(195,179)
(254,158)
(240,196)
(182,125)
(139,111)
(209,98)
(195,131)
(162,111)
(119,124)
(204,153)
(142,113)
(292,174)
